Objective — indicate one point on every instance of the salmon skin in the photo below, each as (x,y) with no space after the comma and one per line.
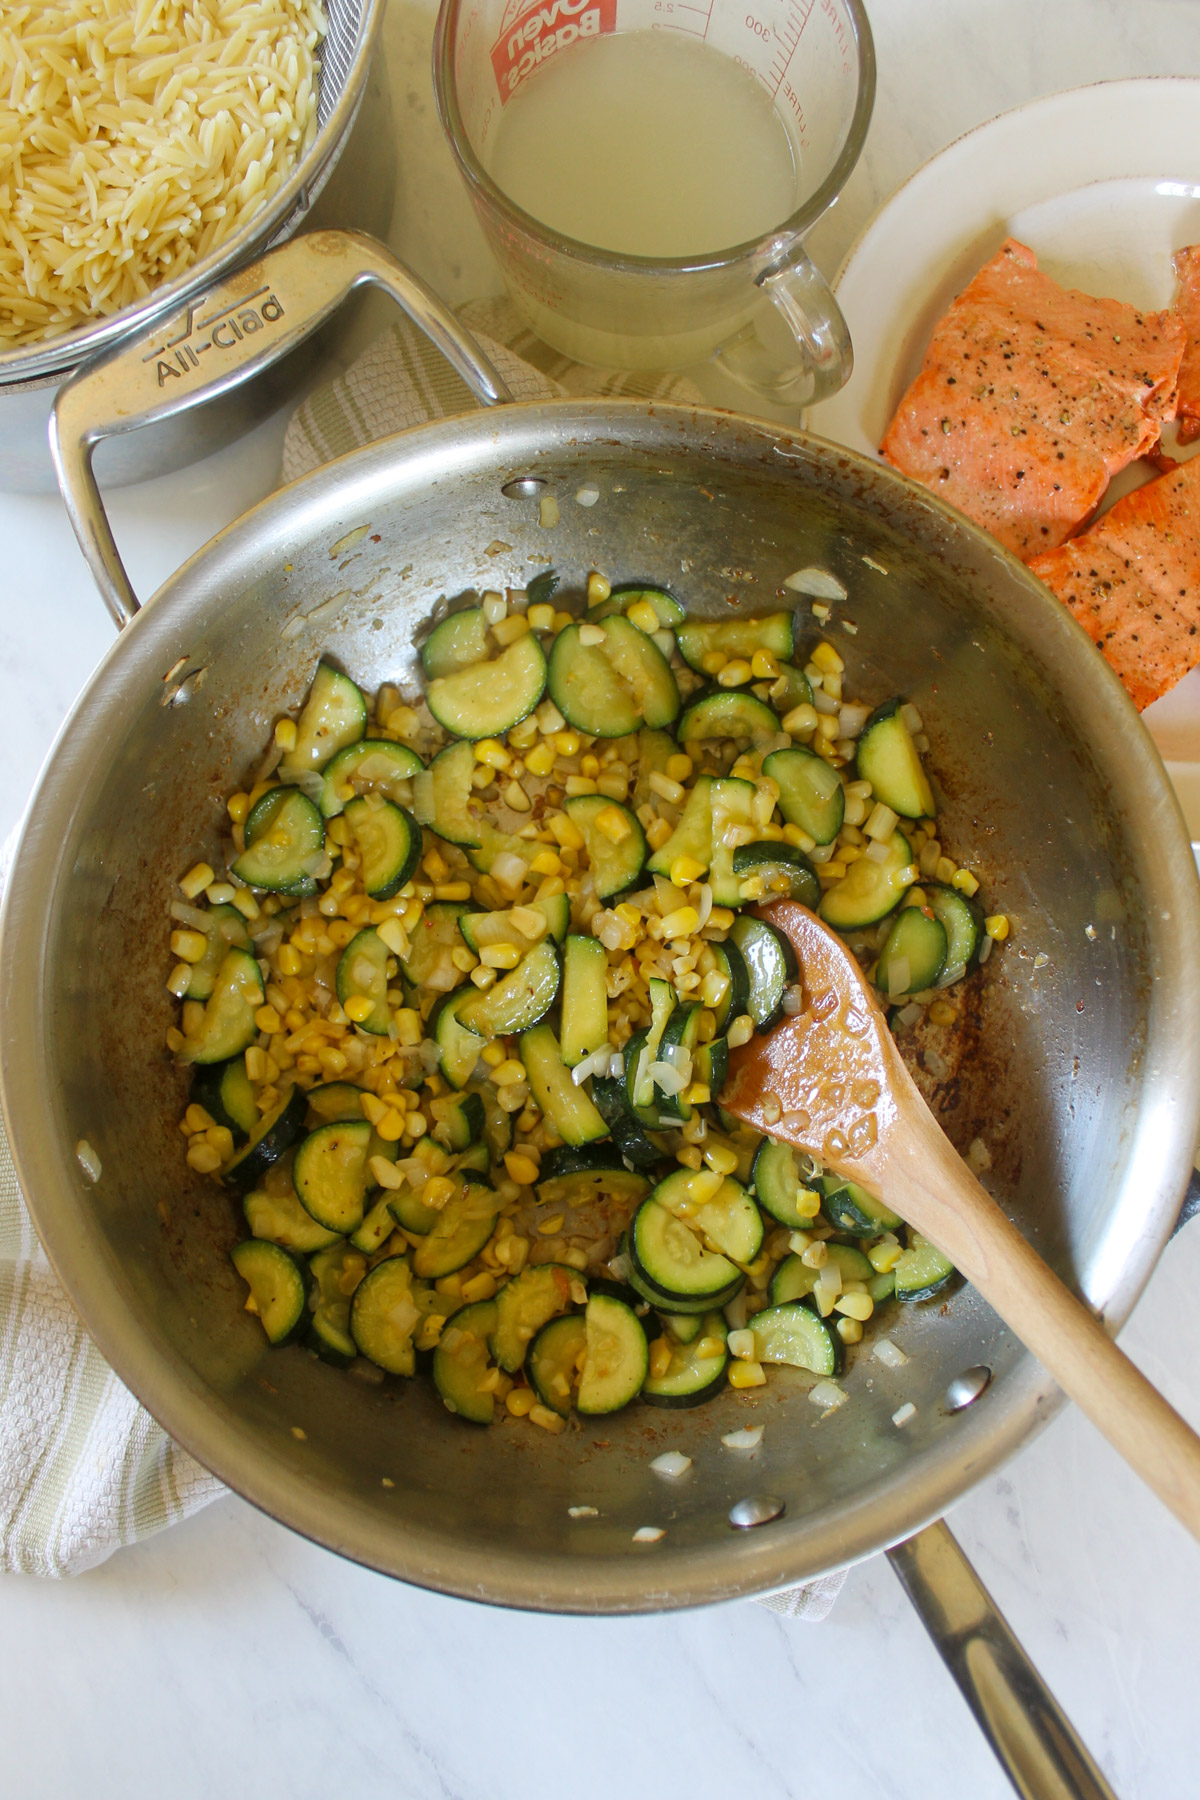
(1187,306)
(1031,398)
(1133,582)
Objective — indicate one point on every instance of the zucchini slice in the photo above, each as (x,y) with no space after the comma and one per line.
(797,690)
(852,1209)
(461,1125)
(372,766)
(384,1315)
(654,751)
(224,930)
(584,999)
(459,1046)
(696,1371)
(713,803)
(334,1102)
(729,1222)
(334,715)
(442,796)
(628,593)
(869,890)
(228,1023)
(682,1328)
(727,713)
(331,1174)
(226,1093)
(698,638)
(888,759)
(329,1326)
(693,835)
(524,1305)
(483,928)
(554,1360)
(278,1287)
(710,1065)
(388,841)
(460,1362)
(678,1305)
(566,1106)
(275,1132)
(609,689)
(779,1189)
(617,1355)
(674,1262)
(633,1144)
(962,921)
(913,953)
(794,1280)
(615,865)
(497,1124)
(732,805)
(436,934)
(732,964)
(362,971)
(464,1225)
(377,1226)
(811,793)
(792,1333)
(285,842)
(519,999)
(280,1219)
(572,1175)
(486,698)
(778,870)
(494,843)
(770,962)
(678,1041)
(922,1271)
(460,640)
(410,1211)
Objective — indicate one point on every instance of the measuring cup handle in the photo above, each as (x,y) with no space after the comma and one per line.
(225,337)
(801,294)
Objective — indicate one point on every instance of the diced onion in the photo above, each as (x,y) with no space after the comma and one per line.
(851,720)
(193,916)
(508,869)
(671,1463)
(828,1394)
(648,1534)
(889,1354)
(819,584)
(88,1160)
(666,1079)
(899,976)
(904,1413)
(747,1439)
(825,703)
(908,1015)
(878,850)
(588,494)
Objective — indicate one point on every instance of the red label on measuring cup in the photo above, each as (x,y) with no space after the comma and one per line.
(533,33)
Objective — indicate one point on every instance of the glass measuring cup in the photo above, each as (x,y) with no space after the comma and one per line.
(815,58)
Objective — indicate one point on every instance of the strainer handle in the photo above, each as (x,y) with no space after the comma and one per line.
(231,333)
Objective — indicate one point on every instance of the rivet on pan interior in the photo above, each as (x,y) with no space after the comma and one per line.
(967,1387)
(755,1509)
(522,487)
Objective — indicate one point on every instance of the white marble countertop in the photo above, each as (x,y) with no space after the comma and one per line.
(229,1655)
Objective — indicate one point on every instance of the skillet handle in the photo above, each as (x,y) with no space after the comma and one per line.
(232,333)
(1032,1737)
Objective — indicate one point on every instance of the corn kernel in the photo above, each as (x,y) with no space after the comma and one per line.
(660,1358)
(547,1419)
(996,926)
(521,1402)
(492,752)
(483,977)
(849,1330)
(722,1158)
(408,1025)
(508,1071)
(202,1157)
(884,1255)
(740,1031)
(221,1139)
(196,880)
(599,588)
(713,661)
(268,1020)
(763,666)
(246,904)
(965,882)
(854,1306)
(391,1126)
(479,1287)
(189,946)
(613,821)
(237,806)
(942,1013)
(540,760)
(685,870)
(802,720)
(746,1374)
(507,631)
(827,659)
(734,674)
(665,788)
(493,1055)
(643,615)
(499,956)
(359,1008)
(521,1168)
(197,1119)
(285,734)
(403,721)
(541,618)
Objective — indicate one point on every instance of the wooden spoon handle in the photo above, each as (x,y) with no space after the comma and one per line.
(933,1188)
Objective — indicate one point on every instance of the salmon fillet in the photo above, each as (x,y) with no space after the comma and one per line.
(1187,306)
(1030,399)
(1133,582)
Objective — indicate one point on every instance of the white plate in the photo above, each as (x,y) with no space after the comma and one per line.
(1104,184)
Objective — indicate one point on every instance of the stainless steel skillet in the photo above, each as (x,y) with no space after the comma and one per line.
(1080,1072)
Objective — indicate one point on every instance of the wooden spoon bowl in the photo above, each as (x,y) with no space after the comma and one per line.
(831,1081)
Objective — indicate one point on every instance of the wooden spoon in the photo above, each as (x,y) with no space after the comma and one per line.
(831,1081)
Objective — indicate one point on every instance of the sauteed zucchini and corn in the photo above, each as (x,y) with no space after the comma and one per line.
(459,1008)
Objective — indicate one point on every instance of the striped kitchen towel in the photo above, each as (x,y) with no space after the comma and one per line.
(83,1467)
